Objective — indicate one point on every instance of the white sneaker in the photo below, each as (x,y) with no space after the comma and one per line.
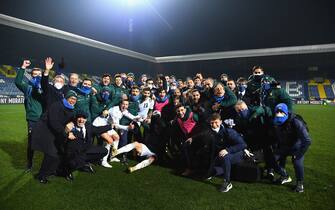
(131,169)
(106,164)
(114,160)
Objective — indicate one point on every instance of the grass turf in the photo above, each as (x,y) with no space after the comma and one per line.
(158,188)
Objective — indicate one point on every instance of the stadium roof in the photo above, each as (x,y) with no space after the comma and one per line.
(167,27)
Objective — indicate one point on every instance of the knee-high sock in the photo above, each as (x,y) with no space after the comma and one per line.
(115,144)
(126,148)
(143,164)
(108,147)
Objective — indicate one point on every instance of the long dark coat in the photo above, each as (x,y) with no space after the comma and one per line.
(48,135)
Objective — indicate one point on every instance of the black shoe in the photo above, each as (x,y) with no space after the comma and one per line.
(69,177)
(124,160)
(87,168)
(270,175)
(226,186)
(41,179)
(28,170)
(210,175)
(299,187)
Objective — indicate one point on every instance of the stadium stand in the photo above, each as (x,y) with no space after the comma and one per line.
(7,86)
(316,89)
(294,88)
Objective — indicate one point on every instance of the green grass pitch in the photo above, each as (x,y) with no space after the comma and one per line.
(158,188)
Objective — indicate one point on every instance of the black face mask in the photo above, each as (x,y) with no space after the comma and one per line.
(224,82)
(258,77)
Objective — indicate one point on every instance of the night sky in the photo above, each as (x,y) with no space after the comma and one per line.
(171,27)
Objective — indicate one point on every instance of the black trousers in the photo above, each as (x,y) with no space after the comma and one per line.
(30,152)
(78,154)
(49,166)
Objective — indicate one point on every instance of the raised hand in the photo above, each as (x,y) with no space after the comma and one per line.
(48,63)
(25,64)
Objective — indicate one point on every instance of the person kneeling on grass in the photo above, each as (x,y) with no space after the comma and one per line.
(292,140)
(228,149)
(142,151)
(79,148)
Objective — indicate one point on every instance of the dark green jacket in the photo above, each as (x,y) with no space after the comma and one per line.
(32,98)
(118,91)
(98,105)
(84,103)
(133,109)
(276,96)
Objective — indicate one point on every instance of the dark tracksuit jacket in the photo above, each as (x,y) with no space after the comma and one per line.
(32,98)
(292,137)
(227,104)
(277,96)
(233,142)
(84,102)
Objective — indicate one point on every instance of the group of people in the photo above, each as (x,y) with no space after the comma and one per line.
(199,126)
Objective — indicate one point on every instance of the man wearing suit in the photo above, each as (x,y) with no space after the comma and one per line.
(79,148)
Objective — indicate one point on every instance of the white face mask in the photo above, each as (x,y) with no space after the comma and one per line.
(58,85)
(150,86)
(216,129)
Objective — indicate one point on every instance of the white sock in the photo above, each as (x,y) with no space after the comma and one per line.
(126,148)
(115,144)
(108,147)
(143,164)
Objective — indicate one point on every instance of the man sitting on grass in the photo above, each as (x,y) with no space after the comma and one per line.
(142,151)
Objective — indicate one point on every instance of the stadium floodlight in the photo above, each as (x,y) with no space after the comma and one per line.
(132,2)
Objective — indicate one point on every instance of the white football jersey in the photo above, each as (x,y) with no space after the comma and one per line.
(145,106)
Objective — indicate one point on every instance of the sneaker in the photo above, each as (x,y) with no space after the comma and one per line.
(114,159)
(226,186)
(131,169)
(283,180)
(124,160)
(299,187)
(106,164)
(270,174)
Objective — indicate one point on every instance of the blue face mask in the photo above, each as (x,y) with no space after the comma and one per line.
(130,83)
(266,86)
(105,96)
(36,82)
(135,98)
(67,104)
(159,99)
(85,90)
(218,99)
(280,120)
(242,88)
(244,114)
